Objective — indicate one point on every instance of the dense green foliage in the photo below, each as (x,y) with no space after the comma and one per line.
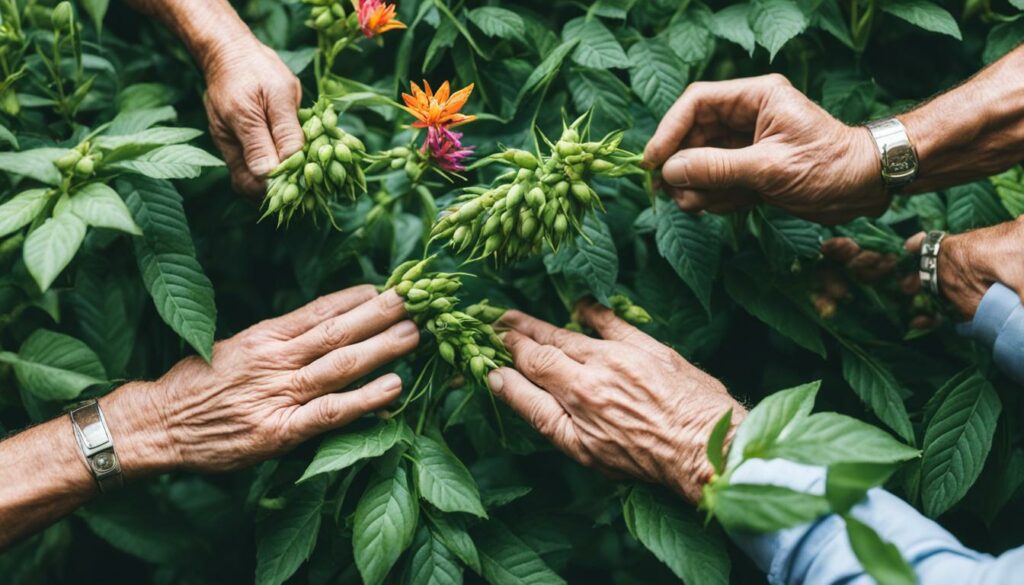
(123,249)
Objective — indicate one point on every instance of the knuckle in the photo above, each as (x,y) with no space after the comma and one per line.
(303,381)
(542,361)
(777,79)
(346,360)
(720,169)
(324,413)
(333,334)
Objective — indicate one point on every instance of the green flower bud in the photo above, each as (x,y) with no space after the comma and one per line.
(570,135)
(353,143)
(313,173)
(601,166)
(338,10)
(478,367)
(514,196)
(305,114)
(488,352)
(527,228)
(290,193)
(522,158)
(441,304)
(396,274)
(535,198)
(448,319)
(325,153)
(293,162)
(85,167)
(336,171)
(68,161)
(400,152)
(469,211)
(308,202)
(313,128)
(342,152)
(61,16)
(423,283)
(523,175)
(417,269)
(561,225)
(416,308)
(417,294)
(397,163)
(491,225)
(471,349)
(567,149)
(581,191)
(492,244)
(461,233)
(403,288)
(329,118)
(447,352)
(323,21)
(413,170)
(636,315)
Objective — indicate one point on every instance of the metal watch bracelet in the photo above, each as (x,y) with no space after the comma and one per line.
(897,154)
(97,445)
(929,267)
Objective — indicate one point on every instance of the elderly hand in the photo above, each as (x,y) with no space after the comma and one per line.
(269,388)
(724,145)
(252,100)
(625,404)
(969,263)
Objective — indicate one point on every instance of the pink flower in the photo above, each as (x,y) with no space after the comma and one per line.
(376,17)
(446,148)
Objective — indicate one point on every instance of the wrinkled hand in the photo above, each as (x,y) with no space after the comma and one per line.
(625,404)
(727,144)
(252,100)
(270,387)
(971,262)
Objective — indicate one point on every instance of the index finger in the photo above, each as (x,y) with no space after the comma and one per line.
(735,102)
(321,309)
(352,326)
(545,365)
(611,326)
(575,345)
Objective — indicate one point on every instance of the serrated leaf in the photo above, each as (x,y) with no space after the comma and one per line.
(878,388)
(673,534)
(1009,188)
(592,259)
(506,560)
(924,14)
(443,480)
(827,438)
(846,484)
(182,293)
(285,538)
(784,238)
(775,22)
(35,164)
(342,450)
(176,161)
(547,69)
(385,523)
(100,206)
(973,206)
(127,146)
(692,246)
(51,247)
(761,300)
(498,22)
(765,508)
(880,559)
(430,561)
(54,366)
(20,210)
(451,530)
(597,46)
(1003,38)
(956,443)
(138,120)
(656,74)
(690,35)
(771,419)
(603,93)
(100,308)
(732,23)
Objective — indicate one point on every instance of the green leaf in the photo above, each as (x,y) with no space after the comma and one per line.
(772,418)
(618,9)
(656,74)
(176,161)
(35,164)
(692,245)
(847,483)
(339,451)
(602,92)
(430,561)
(166,257)
(924,14)
(592,259)
(716,442)
(100,206)
(672,532)
(97,10)
(732,23)
(878,388)
(597,46)
(690,35)
(1009,188)
(498,22)
(134,121)
(285,538)
(51,247)
(1003,38)
(973,206)
(101,309)
(54,366)
(880,559)
(385,523)
(451,530)
(20,210)
(506,560)
(785,239)
(764,508)
(826,438)
(139,524)
(761,300)
(775,22)
(298,60)
(956,443)
(443,480)
(547,68)
(128,146)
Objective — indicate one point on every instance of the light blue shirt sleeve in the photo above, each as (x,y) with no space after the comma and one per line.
(999,325)
(819,553)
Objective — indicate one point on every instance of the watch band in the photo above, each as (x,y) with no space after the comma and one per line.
(929,267)
(97,445)
(898,157)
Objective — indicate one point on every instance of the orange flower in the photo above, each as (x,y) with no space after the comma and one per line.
(376,17)
(439,109)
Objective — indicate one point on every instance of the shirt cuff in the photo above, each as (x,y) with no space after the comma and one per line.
(999,325)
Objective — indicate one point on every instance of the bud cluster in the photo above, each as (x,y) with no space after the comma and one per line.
(464,341)
(626,309)
(329,19)
(543,200)
(410,160)
(80,162)
(329,164)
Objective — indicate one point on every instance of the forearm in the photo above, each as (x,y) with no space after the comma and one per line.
(207,27)
(48,476)
(972,131)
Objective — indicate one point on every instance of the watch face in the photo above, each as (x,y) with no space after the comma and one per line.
(900,161)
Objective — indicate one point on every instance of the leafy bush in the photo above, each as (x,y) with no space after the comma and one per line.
(123,250)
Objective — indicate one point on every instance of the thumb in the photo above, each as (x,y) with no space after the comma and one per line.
(284,123)
(913,244)
(257,144)
(715,168)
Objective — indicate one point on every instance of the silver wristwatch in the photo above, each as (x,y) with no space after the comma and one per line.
(97,445)
(899,160)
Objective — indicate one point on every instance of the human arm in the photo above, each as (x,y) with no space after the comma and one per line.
(725,145)
(268,389)
(252,97)
(630,405)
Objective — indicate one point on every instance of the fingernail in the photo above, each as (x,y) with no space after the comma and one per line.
(674,171)
(262,166)
(390,383)
(406,329)
(495,381)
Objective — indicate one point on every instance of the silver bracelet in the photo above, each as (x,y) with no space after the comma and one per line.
(929,267)
(97,446)
(897,154)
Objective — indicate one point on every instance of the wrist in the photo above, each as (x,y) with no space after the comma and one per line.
(210,29)
(690,473)
(142,439)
